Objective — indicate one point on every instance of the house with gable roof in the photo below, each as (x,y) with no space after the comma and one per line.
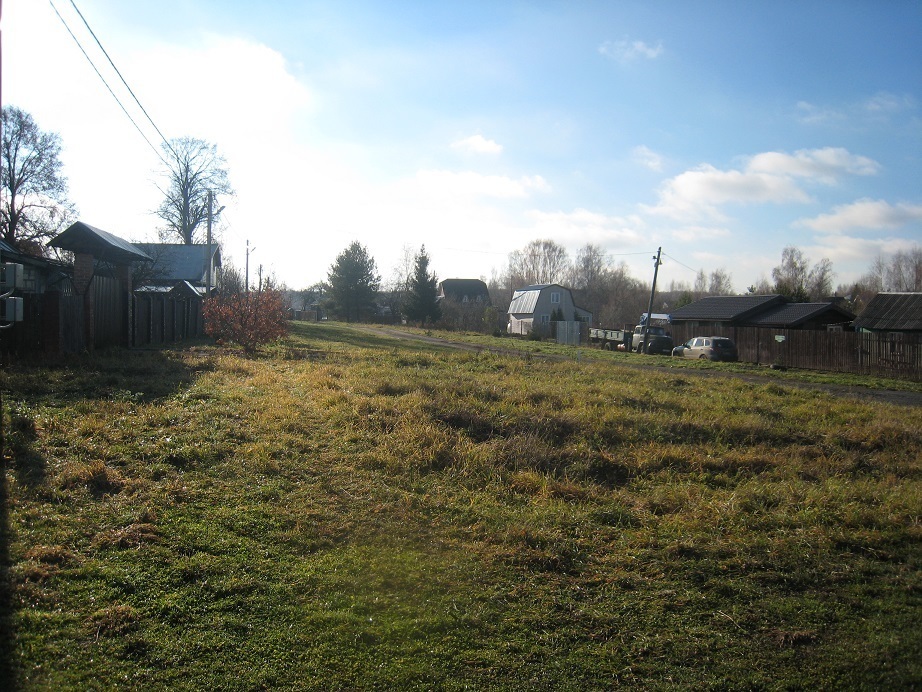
(892,312)
(175,263)
(714,314)
(534,307)
(466,292)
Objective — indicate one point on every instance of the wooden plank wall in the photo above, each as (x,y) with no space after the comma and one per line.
(884,355)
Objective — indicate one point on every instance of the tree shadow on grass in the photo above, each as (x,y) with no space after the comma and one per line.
(30,384)
(8,668)
(141,375)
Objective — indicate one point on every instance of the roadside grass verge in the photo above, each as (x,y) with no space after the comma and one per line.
(349,512)
(549,348)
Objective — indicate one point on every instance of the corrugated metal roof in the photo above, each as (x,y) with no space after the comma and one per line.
(725,308)
(525,300)
(177,262)
(897,312)
(81,237)
(793,314)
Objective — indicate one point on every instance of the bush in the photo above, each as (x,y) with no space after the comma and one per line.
(247,319)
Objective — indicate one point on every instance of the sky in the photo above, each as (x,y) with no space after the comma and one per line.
(721,132)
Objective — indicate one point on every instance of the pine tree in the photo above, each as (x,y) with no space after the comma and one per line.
(422,302)
(354,283)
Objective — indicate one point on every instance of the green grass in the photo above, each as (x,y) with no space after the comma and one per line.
(355,512)
(549,348)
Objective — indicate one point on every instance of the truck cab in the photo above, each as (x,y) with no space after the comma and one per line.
(658,340)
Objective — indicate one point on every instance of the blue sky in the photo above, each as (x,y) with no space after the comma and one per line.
(721,131)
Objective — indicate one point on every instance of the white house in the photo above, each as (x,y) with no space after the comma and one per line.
(535,306)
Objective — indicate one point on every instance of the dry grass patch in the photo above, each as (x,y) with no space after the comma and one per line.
(387,517)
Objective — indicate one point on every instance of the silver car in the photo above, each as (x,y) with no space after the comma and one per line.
(708,348)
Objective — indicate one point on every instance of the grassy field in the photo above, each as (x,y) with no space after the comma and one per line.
(350,511)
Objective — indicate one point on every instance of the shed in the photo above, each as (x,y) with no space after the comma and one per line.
(803,316)
(722,311)
(892,312)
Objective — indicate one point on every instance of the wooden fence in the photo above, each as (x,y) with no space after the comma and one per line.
(897,355)
(55,321)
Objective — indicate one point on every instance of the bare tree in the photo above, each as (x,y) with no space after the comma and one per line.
(588,277)
(791,275)
(701,284)
(904,274)
(795,278)
(721,283)
(876,276)
(193,168)
(589,269)
(819,281)
(539,262)
(33,199)
(396,290)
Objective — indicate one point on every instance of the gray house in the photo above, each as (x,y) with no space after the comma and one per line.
(534,307)
(176,263)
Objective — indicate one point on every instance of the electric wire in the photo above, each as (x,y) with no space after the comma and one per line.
(103,79)
(680,263)
(118,72)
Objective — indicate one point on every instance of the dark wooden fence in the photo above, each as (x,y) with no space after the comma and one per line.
(161,318)
(54,321)
(896,355)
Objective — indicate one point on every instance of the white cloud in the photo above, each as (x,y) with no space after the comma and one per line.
(628,51)
(884,102)
(879,107)
(825,165)
(812,114)
(699,192)
(865,213)
(647,158)
(477,144)
(768,177)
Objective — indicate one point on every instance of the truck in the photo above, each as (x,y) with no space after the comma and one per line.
(658,340)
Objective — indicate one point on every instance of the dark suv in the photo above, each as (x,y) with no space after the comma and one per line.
(707,347)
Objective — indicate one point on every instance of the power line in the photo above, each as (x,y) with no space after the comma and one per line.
(104,52)
(103,79)
(679,263)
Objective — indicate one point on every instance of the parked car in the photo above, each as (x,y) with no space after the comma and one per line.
(707,347)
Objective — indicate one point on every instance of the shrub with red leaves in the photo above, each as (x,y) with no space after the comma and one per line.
(248,319)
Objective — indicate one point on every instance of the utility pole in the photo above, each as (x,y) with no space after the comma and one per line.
(247,272)
(208,258)
(646,324)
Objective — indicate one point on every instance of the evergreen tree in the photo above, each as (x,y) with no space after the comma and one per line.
(422,301)
(354,283)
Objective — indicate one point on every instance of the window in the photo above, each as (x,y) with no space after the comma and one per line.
(545,319)
(555,297)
